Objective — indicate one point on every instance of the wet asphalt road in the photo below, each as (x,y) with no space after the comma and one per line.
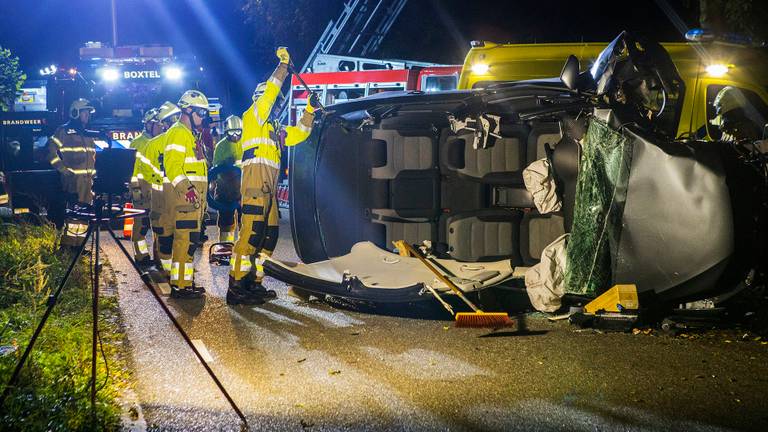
(291,365)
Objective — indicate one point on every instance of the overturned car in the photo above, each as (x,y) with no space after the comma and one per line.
(567,185)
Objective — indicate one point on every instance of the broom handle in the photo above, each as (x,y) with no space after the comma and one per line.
(442,278)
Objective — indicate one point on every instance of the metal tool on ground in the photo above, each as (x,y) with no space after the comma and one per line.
(220,253)
(613,310)
(617,299)
(478,318)
(292,70)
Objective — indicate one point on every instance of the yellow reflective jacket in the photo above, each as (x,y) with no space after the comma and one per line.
(228,152)
(153,160)
(140,167)
(261,138)
(185,165)
(73,153)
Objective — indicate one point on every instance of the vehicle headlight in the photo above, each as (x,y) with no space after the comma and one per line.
(110,74)
(173,73)
(480,68)
(717,70)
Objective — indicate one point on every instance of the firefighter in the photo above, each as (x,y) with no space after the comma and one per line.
(228,152)
(141,186)
(261,143)
(72,152)
(159,215)
(736,117)
(187,170)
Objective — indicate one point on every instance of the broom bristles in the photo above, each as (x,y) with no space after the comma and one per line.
(483,319)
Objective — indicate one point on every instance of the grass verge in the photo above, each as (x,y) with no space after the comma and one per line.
(54,390)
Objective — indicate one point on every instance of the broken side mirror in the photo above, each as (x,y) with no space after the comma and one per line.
(570,73)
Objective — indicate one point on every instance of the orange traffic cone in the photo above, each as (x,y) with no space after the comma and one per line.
(128,226)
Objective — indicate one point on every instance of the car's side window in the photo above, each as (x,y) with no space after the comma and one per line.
(756,109)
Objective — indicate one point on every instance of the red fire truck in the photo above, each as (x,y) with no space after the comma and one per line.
(336,87)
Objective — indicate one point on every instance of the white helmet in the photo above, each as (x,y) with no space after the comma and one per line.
(79,105)
(167,110)
(233,123)
(150,115)
(193,99)
(260,89)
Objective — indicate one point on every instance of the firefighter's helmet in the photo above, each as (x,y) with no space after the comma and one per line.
(167,109)
(193,99)
(79,105)
(150,115)
(234,124)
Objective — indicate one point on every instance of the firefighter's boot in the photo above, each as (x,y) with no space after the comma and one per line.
(190,292)
(247,292)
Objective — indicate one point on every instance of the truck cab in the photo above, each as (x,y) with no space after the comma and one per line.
(704,66)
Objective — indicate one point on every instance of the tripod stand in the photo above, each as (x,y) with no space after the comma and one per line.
(96,221)
(100,218)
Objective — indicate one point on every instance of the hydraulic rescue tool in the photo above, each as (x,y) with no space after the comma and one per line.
(292,70)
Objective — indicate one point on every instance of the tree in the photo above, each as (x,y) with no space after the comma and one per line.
(296,24)
(11,78)
(747,17)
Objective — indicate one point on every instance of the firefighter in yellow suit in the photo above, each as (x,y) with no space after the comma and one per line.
(72,152)
(228,151)
(140,187)
(187,170)
(160,217)
(261,144)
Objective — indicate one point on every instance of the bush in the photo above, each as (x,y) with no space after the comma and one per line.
(54,390)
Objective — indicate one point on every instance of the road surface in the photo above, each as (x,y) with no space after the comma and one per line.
(292,365)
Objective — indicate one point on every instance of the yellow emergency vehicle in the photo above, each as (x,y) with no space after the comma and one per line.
(705,67)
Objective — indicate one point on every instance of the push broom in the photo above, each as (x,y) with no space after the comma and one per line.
(478,318)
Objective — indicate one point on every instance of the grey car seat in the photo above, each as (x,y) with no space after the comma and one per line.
(500,164)
(405,192)
(483,235)
(536,232)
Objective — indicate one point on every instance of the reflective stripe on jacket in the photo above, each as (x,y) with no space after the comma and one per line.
(73,154)
(182,164)
(258,142)
(140,167)
(153,160)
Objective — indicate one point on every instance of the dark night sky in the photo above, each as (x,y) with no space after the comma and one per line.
(45,31)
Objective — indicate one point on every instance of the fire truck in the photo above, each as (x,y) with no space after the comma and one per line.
(122,82)
(341,86)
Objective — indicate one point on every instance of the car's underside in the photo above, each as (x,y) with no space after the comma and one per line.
(446,171)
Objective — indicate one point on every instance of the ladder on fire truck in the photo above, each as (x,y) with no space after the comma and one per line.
(359,30)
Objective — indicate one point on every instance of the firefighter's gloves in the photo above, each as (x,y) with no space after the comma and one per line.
(282,54)
(68,173)
(313,103)
(192,196)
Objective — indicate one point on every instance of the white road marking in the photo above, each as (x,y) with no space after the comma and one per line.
(427,364)
(274,316)
(330,319)
(203,350)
